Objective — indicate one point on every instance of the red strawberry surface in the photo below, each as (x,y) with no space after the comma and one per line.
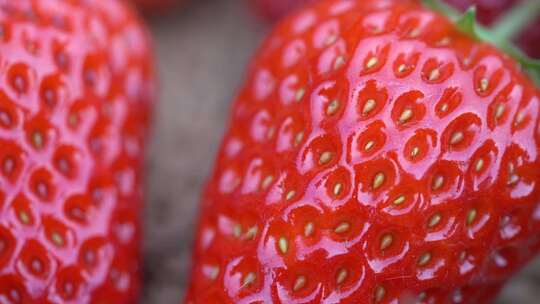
(75,97)
(375,154)
(488,12)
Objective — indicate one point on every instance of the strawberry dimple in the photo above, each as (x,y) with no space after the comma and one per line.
(374,155)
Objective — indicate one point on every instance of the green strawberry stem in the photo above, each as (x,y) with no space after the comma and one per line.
(501,34)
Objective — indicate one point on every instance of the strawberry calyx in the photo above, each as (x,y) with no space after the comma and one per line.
(500,35)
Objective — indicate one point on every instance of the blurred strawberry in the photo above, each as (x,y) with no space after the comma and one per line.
(75,99)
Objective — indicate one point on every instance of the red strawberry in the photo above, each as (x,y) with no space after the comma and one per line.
(375,154)
(75,98)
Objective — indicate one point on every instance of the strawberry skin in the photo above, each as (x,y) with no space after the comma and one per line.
(374,155)
(75,99)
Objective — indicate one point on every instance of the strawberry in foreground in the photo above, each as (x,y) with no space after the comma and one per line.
(75,98)
(378,153)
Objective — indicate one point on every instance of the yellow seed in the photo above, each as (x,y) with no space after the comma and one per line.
(386,241)
(456,138)
(399,200)
(368,106)
(299,94)
(325,158)
(331,39)
(340,61)
(37,139)
(414,33)
(332,107)
(479,165)
(462,256)
(271,132)
(401,68)
(499,111)
(308,229)
(371,62)
(24,217)
(237,230)
(444,41)
(444,107)
(341,276)
(380,292)
(434,220)
(214,272)
(434,74)
(415,151)
(369,145)
(249,279)
(519,118)
(251,233)
(512,179)
(378,180)
(341,228)
(405,115)
(267,181)
(424,259)
(437,183)
(337,189)
(511,168)
(422,296)
(57,239)
(283,245)
(471,215)
(290,195)
(298,138)
(299,283)
(484,83)
(73,120)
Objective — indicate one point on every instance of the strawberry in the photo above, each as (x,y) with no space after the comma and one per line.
(375,154)
(75,98)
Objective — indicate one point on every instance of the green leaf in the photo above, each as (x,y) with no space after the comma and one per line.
(467,22)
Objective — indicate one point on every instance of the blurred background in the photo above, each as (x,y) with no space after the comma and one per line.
(203,49)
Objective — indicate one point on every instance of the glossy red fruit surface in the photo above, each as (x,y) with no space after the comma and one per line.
(374,154)
(75,99)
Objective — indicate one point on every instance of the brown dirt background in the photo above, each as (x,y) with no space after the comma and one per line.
(203,50)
